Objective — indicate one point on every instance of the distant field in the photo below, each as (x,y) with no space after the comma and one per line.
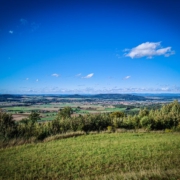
(20,112)
(100,156)
(18,117)
(135,109)
(20,108)
(48,118)
(114,109)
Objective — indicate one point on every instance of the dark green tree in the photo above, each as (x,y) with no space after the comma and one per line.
(34,117)
(117,114)
(65,113)
(143,112)
(7,124)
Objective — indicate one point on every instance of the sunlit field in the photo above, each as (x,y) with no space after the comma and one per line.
(152,155)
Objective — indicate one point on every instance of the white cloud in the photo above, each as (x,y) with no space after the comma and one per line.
(127,77)
(92,90)
(149,50)
(165,88)
(55,75)
(125,50)
(11,32)
(23,21)
(89,76)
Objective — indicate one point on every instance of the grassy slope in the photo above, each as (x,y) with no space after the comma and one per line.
(100,156)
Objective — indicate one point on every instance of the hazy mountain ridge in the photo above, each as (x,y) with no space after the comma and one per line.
(4,97)
(124,97)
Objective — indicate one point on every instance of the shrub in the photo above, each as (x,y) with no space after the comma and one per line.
(7,125)
(168,130)
(109,128)
(145,121)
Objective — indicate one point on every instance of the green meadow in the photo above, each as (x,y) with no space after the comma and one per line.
(114,109)
(129,155)
(53,108)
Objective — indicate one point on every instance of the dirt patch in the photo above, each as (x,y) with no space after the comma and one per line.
(51,109)
(18,117)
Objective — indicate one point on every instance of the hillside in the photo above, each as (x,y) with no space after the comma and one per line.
(100,156)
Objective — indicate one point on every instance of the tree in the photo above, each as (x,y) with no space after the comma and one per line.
(7,124)
(143,112)
(117,114)
(34,116)
(145,122)
(65,113)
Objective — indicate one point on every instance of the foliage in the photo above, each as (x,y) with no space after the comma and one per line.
(143,112)
(65,113)
(7,125)
(117,114)
(34,116)
(145,121)
(168,117)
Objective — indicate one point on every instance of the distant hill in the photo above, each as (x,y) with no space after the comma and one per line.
(162,96)
(120,97)
(107,96)
(7,97)
(126,97)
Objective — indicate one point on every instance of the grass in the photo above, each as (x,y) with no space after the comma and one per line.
(20,108)
(49,118)
(99,156)
(114,109)
(135,109)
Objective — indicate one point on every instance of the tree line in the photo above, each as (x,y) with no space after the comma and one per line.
(167,117)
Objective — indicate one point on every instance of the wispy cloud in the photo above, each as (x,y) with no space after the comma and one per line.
(118,56)
(27,79)
(89,76)
(92,90)
(165,88)
(11,32)
(149,50)
(127,77)
(23,21)
(37,80)
(34,26)
(78,75)
(55,75)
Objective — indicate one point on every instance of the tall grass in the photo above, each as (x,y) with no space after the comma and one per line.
(98,156)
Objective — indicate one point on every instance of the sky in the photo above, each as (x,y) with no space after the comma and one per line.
(89,47)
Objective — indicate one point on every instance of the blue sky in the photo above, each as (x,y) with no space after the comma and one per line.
(109,46)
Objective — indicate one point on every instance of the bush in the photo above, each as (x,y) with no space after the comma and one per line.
(178,128)
(7,125)
(168,130)
(145,122)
